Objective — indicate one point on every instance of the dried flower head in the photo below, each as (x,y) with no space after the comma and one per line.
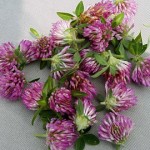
(141,72)
(99,34)
(115,128)
(8,60)
(61,101)
(61,134)
(79,82)
(12,84)
(61,62)
(62,33)
(88,117)
(32,94)
(120,98)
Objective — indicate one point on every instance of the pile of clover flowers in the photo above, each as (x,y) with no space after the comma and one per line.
(88,44)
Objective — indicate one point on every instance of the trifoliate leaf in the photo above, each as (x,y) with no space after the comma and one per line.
(78,94)
(138,39)
(65,16)
(101,60)
(79,9)
(100,72)
(34,32)
(91,139)
(79,144)
(100,98)
(118,20)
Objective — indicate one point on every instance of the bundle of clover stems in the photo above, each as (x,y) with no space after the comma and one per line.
(91,43)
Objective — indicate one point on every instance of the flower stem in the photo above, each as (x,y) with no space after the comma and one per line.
(118,147)
(40,135)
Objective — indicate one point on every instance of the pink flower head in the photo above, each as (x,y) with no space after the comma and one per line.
(61,33)
(141,72)
(89,64)
(8,60)
(12,84)
(28,51)
(61,101)
(115,128)
(128,7)
(61,134)
(79,82)
(63,61)
(122,74)
(99,34)
(42,48)
(88,118)
(120,98)
(102,9)
(32,94)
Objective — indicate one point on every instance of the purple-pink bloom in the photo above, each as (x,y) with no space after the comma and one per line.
(42,47)
(61,134)
(88,118)
(141,72)
(122,74)
(12,84)
(61,101)
(115,128)
(61,33)
(28,51)
(103,9)
(61,62)
(89,64)
(128,7)
(8,60)
(79,81)
(119,98)
(32,94)
(99,34)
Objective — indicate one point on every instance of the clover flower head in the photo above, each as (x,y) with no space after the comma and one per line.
(61,134)
(115,128)
(32,94)
(61,101)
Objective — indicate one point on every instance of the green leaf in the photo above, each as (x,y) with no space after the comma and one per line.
(91,139)
(79,9)
(79,107)
(36,114)
(118,20)
(20,58)
(100,98)
(138,39)
(46,115)
(65,16)
(34,32)
(86,45)
(79,144)
(101,60)
(48,87)
(43,64)
(102,19)
(100,108)
(100,72)
(77,57)
(118,147)
(34,80)
(113,70)
(78,94)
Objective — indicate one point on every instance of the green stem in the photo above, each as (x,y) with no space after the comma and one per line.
(40,135)
(118,147)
